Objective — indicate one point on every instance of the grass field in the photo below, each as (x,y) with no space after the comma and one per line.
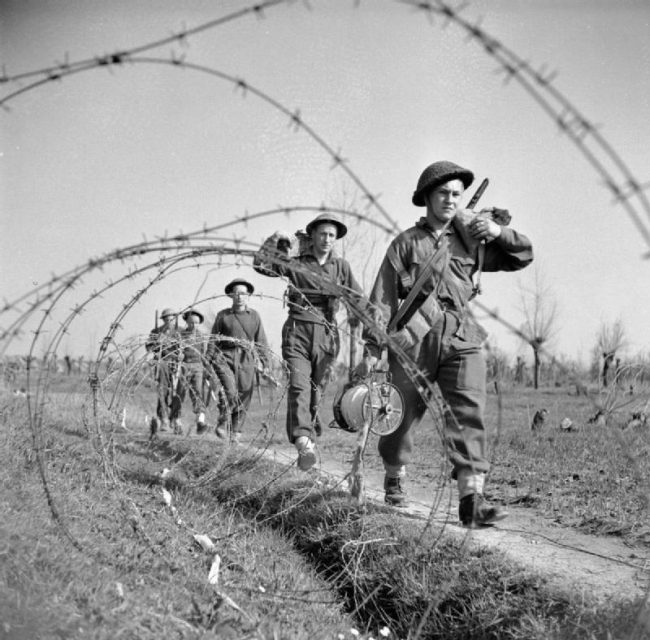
(114,556)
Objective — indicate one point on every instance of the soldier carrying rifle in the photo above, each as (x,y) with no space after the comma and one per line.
(164,343)
(194,347)
(422,289)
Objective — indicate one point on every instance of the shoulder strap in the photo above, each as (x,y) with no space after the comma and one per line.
(241,324)
(425,274)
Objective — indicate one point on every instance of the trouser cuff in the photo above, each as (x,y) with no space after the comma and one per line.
(394,470)
(469,482)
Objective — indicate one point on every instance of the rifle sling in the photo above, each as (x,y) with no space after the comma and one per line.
(425,274)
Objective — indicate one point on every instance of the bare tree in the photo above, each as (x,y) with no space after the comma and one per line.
(609,340)
(539,309)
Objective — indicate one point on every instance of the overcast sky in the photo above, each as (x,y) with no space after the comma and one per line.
(102,158)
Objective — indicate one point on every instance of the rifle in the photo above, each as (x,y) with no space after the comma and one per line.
(156,348)
(427,270)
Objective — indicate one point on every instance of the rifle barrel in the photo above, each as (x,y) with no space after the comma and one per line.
(479,192)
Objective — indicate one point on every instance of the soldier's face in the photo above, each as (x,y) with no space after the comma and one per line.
(239,295)
(323,238)
(442,201)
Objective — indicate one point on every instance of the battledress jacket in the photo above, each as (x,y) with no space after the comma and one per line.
(450,287)
(193,341)
(165,343)
(309,297)
(237,336)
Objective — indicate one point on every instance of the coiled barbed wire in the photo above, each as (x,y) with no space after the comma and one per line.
(184,251)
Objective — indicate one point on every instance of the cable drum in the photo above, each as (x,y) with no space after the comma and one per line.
(378,404)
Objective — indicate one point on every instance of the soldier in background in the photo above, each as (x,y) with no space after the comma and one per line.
(165,346)
(310,340)
(237,347)
(194,348)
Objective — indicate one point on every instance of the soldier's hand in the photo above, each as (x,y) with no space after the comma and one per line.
(365,367)
(483,227)
(500,216)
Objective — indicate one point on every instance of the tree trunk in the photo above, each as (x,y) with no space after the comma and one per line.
(536,368)
(607,361)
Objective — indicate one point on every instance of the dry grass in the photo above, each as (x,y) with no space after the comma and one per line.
(595,478)
(139,573)
(297,559)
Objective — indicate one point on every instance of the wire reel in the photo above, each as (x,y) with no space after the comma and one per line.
(376,403)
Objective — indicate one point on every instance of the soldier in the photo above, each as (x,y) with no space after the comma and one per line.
(164,344)
(194,349)
(310,340)
(237,347)
(438,332)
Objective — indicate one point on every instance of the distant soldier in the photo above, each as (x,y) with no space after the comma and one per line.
(164,344)
(238,346)
(194,347)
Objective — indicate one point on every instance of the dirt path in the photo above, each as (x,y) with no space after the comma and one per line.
(596,566)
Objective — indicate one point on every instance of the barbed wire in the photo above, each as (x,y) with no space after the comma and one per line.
(184,251)
(539,84)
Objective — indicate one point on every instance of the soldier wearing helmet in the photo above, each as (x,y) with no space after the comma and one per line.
(164,344)
(318,279)
(438,332)
(237,347)
(194,346)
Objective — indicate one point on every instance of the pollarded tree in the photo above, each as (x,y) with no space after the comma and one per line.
(539,309)
(609,340)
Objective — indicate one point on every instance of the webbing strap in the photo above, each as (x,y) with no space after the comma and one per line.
(427,271)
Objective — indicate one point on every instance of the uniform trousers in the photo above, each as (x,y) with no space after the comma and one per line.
(193,381)
(459,369)
(170,391)
(238,383)
(309,349)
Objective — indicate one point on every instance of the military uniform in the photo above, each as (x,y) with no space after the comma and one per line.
(194,347)
(310,340)
(237,342)
(449,353)
(438,332)
(165,344)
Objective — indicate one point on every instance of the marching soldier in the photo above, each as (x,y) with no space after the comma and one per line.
(237,343)
(437,330)
(310,340)
(193,341)
(165,346)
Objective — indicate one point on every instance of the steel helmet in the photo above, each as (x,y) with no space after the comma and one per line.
(439,173)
